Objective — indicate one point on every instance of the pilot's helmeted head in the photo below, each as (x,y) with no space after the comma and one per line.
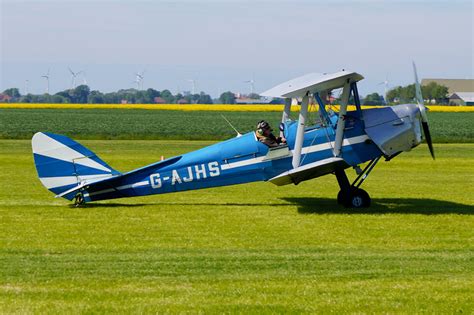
(263,128)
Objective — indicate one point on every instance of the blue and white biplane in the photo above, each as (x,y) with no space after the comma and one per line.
(336,142)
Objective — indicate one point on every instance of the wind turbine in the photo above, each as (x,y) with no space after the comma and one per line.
(73,77)
(252,85)
(193,84)
(385,83)
(46,76)
(27,83)
(139,79)
(84,80)
(137,82)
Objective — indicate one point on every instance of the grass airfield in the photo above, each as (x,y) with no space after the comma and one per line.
(254,248)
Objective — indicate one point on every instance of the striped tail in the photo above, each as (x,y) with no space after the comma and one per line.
(63,164)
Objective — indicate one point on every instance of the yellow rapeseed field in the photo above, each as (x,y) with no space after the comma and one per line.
(208,107)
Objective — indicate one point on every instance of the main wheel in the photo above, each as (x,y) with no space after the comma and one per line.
(358,198)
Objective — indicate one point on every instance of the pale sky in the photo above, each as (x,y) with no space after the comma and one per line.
(221,44)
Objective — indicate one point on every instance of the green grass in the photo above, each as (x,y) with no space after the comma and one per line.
(253,248)
(155,124)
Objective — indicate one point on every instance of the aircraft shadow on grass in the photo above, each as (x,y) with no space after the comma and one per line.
(110,205)
(157,204)
(425,206)
(313,205)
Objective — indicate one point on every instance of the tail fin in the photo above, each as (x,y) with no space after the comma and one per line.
(62,163)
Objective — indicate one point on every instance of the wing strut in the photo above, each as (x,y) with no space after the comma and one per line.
(300,131)
(346,92)
(286,112)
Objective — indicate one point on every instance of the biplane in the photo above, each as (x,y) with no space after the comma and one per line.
(337,141)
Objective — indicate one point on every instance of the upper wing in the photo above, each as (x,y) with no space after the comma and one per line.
(312,83)
(309,171)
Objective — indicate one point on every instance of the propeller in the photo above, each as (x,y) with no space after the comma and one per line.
(424,117)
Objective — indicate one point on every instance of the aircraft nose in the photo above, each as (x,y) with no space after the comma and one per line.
(420,122)
(414,110)
(405,110)
(394,129)
(415,116)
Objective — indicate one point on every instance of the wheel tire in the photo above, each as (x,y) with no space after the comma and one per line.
(359,199)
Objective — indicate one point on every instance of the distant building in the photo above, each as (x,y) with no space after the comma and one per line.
(457,89)
(462,98)
(453,85)
(159,100)
(246,100)
(5,97)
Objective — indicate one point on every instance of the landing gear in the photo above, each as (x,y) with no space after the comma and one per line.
(79,200)
(350,195)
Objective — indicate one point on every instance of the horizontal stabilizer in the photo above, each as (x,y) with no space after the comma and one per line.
(312,83)
(117,182)
(69,194)
(309,171)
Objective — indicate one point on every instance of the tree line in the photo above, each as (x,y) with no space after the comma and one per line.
(432,93)
(83,95)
